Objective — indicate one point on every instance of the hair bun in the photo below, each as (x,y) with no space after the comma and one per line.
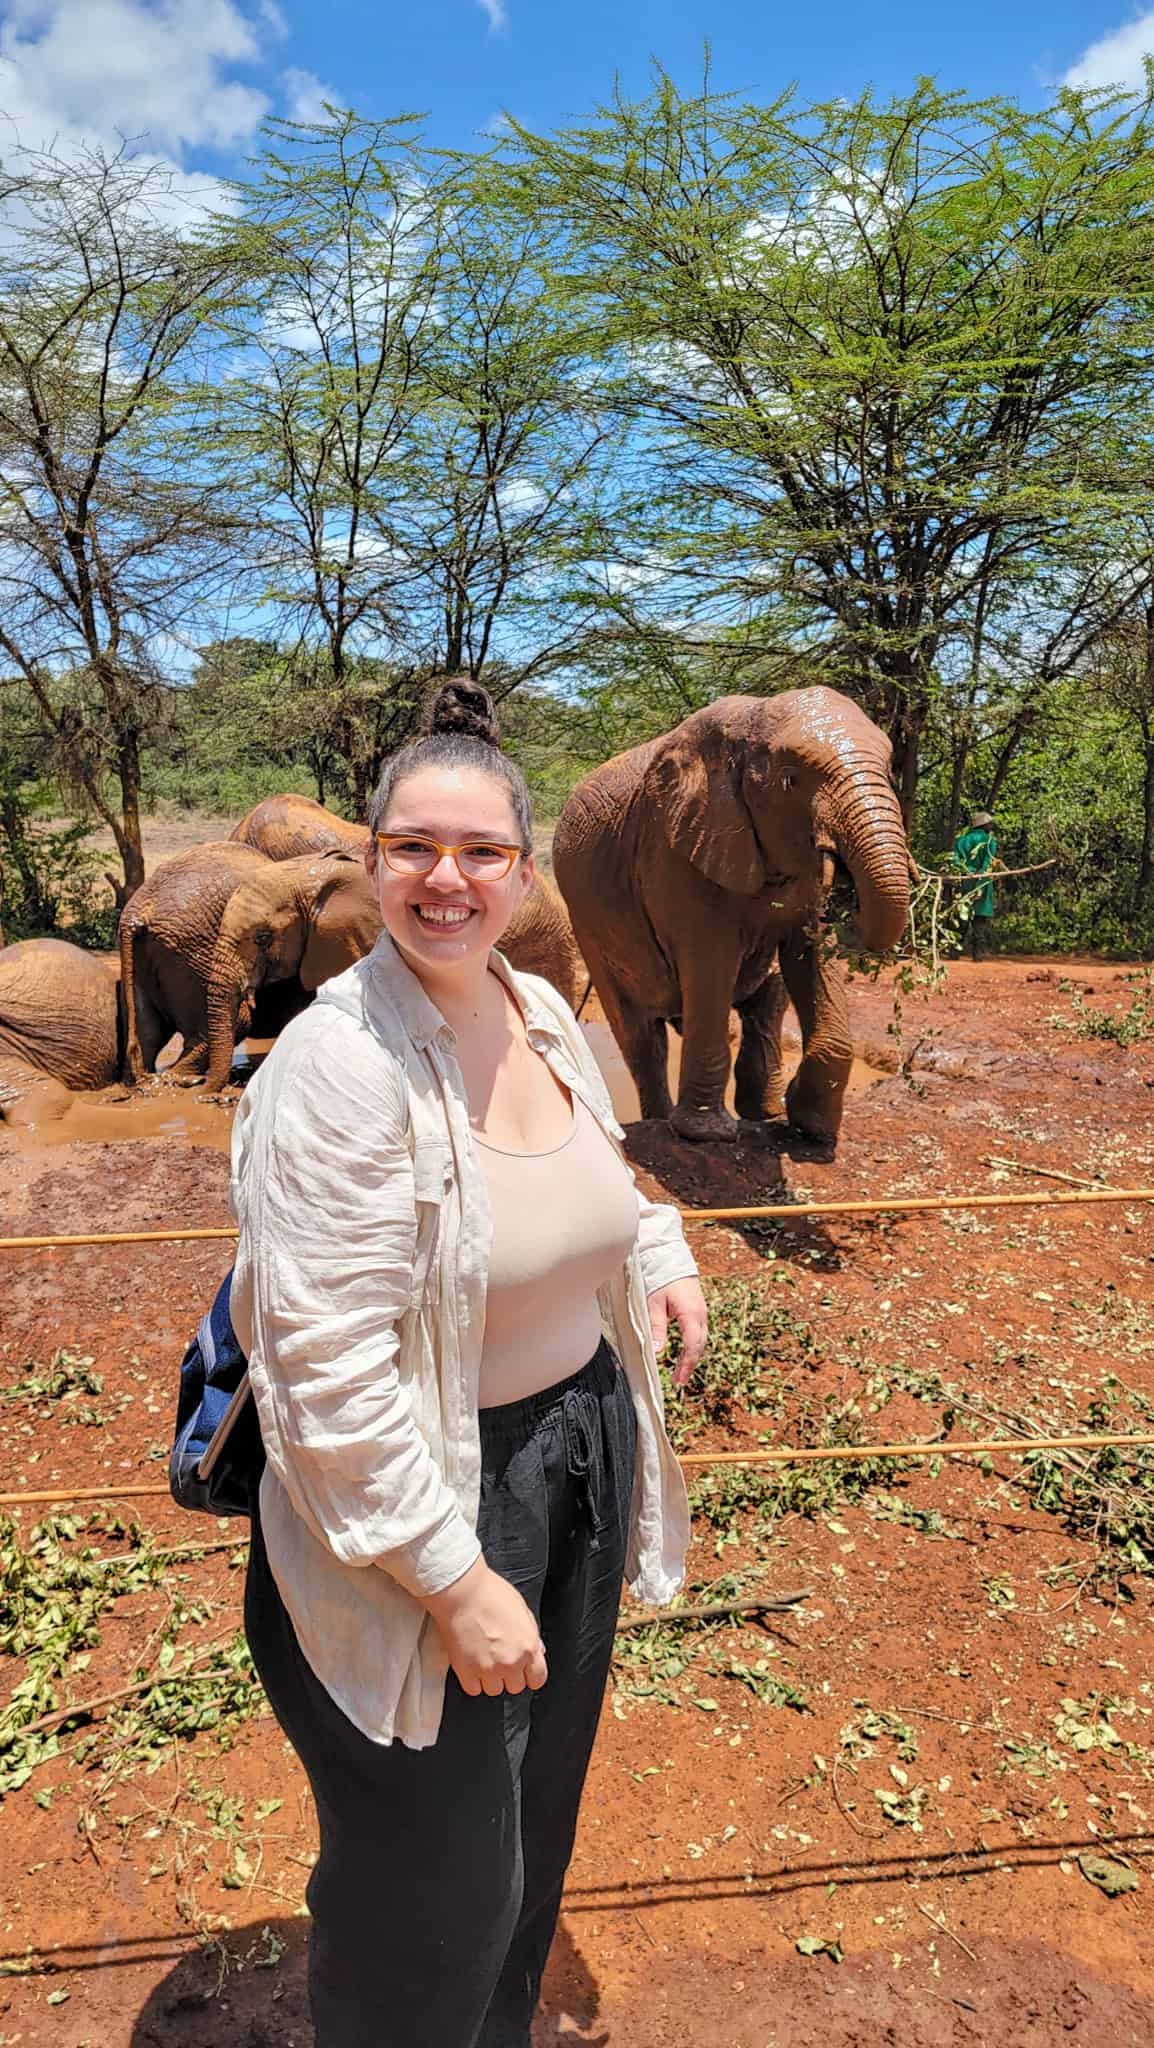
(463,706)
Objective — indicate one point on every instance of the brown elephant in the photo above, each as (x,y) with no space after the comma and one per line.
(286,826)
(310,918)
(60,1017)
(167,935)
(691,864)
(298,921)
(539,940)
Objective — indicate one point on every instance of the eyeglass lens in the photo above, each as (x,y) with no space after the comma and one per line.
(420,857)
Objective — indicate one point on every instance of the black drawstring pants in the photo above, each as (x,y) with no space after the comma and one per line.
(436,1891)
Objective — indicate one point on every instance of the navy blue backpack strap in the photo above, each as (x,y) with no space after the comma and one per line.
(211,1373)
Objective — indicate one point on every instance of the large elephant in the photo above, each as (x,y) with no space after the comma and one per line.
(286,826)
(60,1017)
(691,864)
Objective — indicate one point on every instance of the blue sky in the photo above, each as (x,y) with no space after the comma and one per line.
(191,79)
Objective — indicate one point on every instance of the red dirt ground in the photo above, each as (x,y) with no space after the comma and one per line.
(719,1829)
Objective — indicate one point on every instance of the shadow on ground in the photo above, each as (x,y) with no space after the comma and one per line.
(247,1989)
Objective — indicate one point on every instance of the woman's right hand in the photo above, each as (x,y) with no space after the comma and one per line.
(493,1642)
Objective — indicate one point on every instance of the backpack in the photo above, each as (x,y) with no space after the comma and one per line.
(217,1454)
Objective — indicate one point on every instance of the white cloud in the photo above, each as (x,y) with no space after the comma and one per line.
(498,126)
(1116,59)
(105,69)
(519,497)
(306,95)
(495,14)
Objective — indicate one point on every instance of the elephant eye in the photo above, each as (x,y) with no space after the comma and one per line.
(263,936)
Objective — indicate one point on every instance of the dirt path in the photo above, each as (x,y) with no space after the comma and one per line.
(904,1773)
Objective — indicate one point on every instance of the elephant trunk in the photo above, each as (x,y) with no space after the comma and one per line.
(865,820)
(224,997)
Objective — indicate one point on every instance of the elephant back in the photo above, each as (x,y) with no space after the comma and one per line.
(285,827)
(59,1011)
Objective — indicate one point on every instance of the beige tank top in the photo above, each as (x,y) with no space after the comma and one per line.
(564,1221)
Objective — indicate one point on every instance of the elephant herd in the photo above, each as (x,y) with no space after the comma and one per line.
(697,873)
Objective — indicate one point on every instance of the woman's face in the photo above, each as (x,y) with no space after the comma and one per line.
(444,919)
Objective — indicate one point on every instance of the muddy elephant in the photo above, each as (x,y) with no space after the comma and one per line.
(297,921)
(539,940)
(286,826)
(692,864)
(61,1018)
(167,936)
(309,918)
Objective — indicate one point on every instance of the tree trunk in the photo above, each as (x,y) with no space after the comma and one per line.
(907,758)
(1144,890)
(957,790)
(129,843)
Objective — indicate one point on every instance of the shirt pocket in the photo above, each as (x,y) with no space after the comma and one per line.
(432,1178)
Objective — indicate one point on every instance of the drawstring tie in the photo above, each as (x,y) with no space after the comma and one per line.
(581,1423)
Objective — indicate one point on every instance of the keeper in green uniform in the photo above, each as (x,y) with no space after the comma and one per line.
(975,852)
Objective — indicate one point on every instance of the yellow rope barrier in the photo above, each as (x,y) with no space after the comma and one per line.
(899,1205)
(831,1453)
(913,1204)
(786,1454)
(28,1244)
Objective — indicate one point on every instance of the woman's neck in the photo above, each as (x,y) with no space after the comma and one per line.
(464,997)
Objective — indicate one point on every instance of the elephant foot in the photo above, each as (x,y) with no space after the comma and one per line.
(820,1122)
(704,1126)
(767,1110)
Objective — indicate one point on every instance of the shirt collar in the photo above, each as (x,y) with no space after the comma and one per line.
(420,1016)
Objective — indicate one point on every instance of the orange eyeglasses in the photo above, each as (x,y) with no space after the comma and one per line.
(479,860)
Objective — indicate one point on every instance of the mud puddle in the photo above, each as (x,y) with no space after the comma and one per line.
(48,1115)
(108,1117)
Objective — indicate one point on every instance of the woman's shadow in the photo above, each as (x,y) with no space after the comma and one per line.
(247,1989)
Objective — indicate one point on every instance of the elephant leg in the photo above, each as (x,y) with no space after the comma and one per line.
(816,988)
(642,1037)
(707,986)
(757,1074)
(189,1068)
(150,1036)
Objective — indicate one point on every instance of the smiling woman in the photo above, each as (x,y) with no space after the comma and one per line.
(450,1292)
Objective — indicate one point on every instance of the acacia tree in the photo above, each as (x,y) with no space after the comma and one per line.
(112,530)
(399,406)
(509,455)
(864,349)
(341,233)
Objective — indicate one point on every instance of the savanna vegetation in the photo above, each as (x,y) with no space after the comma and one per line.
(699,396)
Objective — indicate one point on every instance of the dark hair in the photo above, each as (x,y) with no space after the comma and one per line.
(461,731)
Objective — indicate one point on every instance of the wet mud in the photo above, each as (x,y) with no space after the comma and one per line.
(48,1115)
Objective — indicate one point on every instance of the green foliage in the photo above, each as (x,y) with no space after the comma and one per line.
(1106,1496)
(1131,1025)
(54,881)
(1056,804)
(57,1587)
(769,1689)
(752,1332)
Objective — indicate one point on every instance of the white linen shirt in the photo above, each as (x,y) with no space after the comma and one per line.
(359,1298)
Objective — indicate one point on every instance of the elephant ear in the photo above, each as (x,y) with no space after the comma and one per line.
(344,919)
(696,783)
